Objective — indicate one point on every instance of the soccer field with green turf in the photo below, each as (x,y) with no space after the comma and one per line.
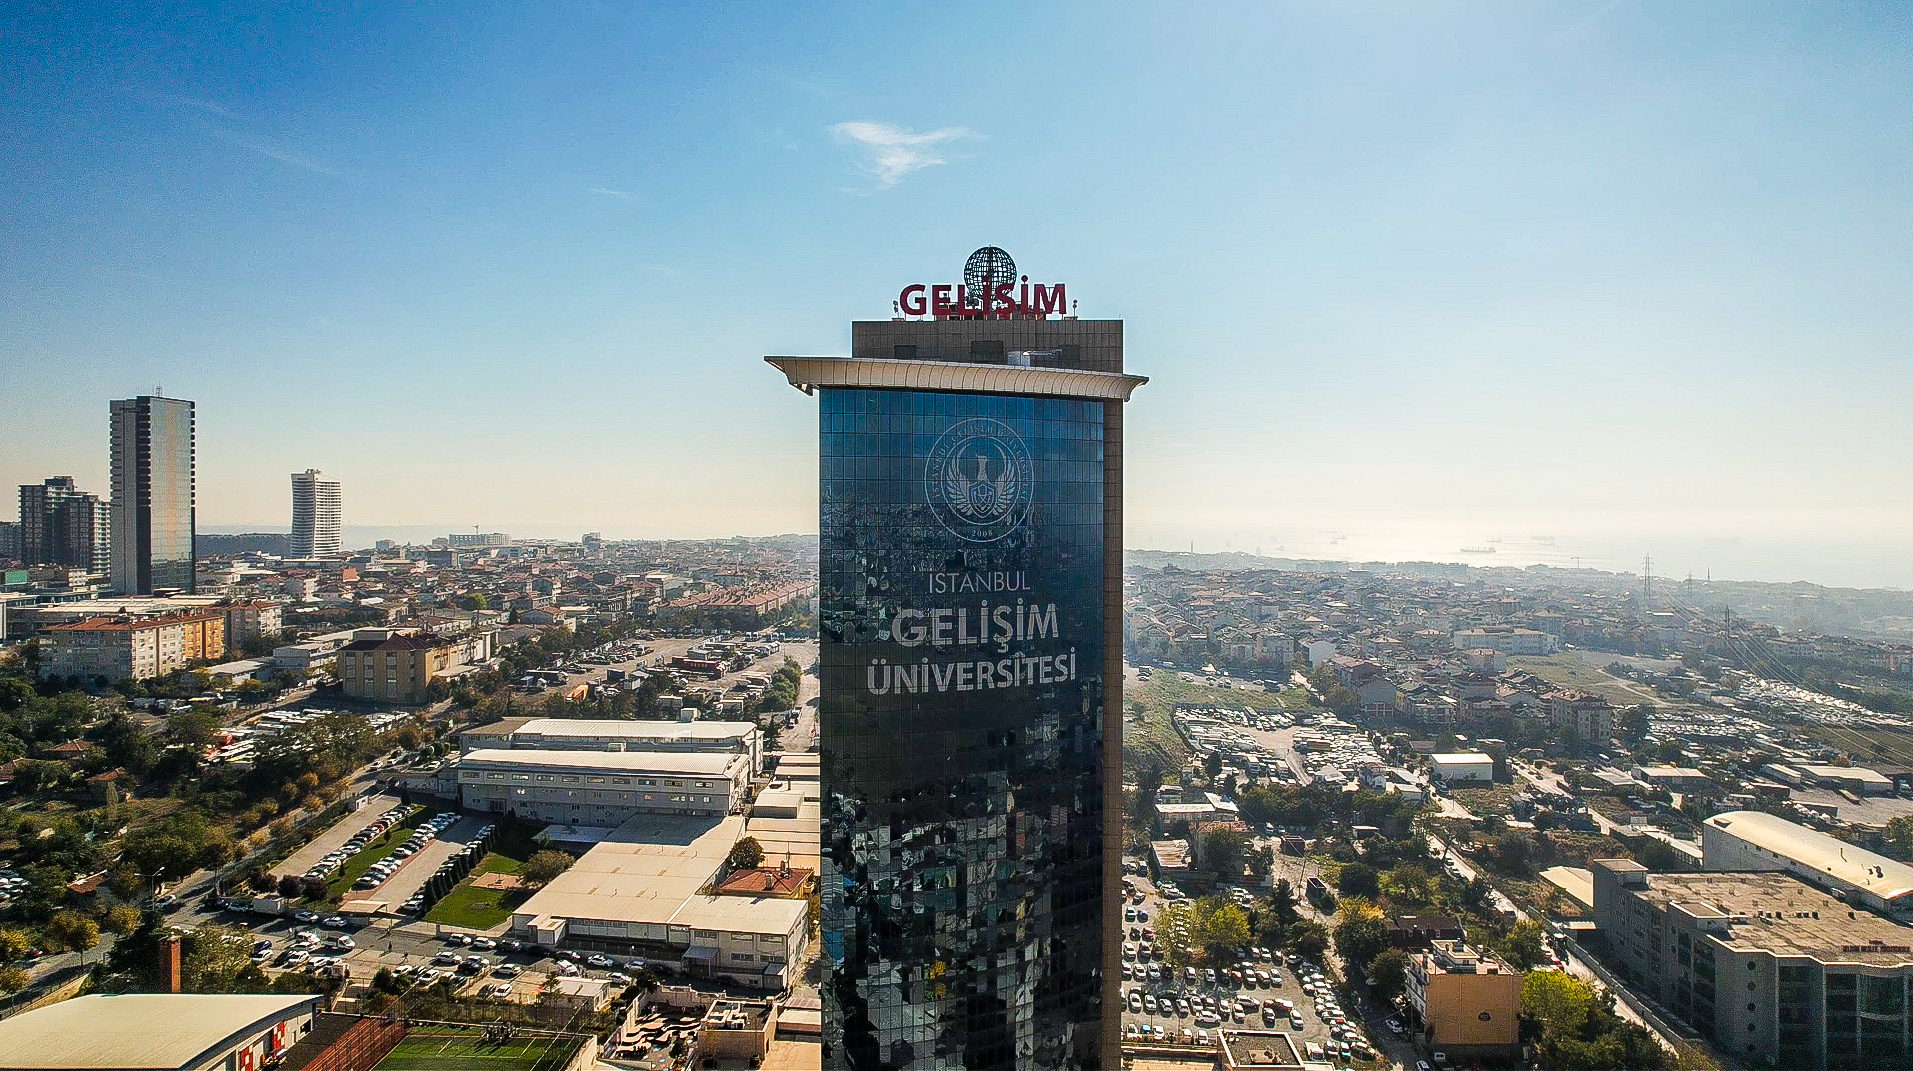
(428,1049)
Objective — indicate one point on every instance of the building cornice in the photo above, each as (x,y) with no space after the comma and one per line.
(808,373)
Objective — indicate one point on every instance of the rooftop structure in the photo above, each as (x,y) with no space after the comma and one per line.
(1774,969)
(1755,840)
(639,891)
(154,1031)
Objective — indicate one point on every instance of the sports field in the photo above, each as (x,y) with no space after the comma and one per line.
(449,1049)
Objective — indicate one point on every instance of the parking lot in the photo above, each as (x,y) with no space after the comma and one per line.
(417,870)
(333,838)
(1262,990)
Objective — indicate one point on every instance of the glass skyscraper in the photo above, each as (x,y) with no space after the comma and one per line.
(970,610)
(152,512)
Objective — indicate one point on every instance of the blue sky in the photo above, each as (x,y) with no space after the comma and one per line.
(1634,271)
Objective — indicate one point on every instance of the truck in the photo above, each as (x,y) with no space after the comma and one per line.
(268,905)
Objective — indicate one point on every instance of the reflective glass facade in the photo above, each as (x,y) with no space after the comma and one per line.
(961,724)
(153,516)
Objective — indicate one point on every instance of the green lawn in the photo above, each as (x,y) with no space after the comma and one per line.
(444,1049)
(341,882)
(479,909)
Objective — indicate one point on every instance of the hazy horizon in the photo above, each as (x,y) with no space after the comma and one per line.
(1848,564)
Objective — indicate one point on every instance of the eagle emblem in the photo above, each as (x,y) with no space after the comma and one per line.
(980,480)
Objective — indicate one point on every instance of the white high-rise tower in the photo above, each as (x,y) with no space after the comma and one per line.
(318,515)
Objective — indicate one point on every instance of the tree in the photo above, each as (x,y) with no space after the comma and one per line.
(13,979)
(1409,883)
(746,854)
(1387,973)
(13,945)
(543,866)
(192,729)
(122,920)
(473,601)
(214,958)
(1635,723)
(1557,1002)
(1283,900)
(1523,947)
(1309,938)
(1221,928)
(1221,854)
(1359,879)
(1360,933)
(73,931)
(179,843)
(1176,934)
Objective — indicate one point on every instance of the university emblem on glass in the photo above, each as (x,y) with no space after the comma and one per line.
(979,480)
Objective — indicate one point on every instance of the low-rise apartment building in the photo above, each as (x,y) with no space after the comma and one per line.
(389,665)
(1504,638)
(1465,1001)
(1775,970)
(1589,718)
(135,648)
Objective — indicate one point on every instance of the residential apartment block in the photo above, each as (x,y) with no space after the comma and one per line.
(137,648)
(1776,971)
(318,515)
(1466,1001)
(63,525)
(386,665)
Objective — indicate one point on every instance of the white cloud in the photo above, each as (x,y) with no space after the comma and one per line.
(892,152)
(606,191)
(274,152)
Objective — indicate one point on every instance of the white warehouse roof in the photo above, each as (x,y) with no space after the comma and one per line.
(145,1031)
(689,763)
(1848,863)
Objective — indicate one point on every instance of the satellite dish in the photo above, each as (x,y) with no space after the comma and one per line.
(987,268)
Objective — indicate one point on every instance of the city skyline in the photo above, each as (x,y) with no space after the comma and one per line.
(1620,272)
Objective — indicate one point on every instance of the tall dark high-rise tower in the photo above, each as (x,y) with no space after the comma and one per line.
(971,618)
(152,472)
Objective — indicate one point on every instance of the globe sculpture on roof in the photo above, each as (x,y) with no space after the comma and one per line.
(987,268)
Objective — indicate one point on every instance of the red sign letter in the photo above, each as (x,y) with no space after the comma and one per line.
(911,300)
(940,299)
(1050,299)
